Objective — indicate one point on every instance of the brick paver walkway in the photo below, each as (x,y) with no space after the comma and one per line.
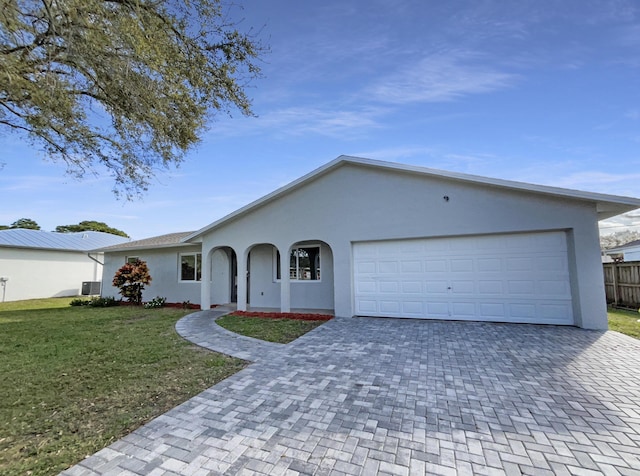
(402,397)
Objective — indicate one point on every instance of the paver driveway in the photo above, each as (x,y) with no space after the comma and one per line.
(388,396)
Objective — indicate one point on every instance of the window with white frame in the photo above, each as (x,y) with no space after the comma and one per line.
(304,264)
(191,267)
(131,259)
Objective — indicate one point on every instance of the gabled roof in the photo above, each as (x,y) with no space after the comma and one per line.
(51,240)
(606,205)
(169,240)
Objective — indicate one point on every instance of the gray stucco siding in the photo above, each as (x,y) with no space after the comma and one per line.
(356,203)
(163,267)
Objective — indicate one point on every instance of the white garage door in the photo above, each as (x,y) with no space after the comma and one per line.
(505,278)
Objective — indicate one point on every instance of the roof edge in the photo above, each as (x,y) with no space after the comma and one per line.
(526,186)
(341,160)
(116,249)
(607,205)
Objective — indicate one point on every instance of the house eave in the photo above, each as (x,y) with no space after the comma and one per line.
(607,206)
(142,248)
(40,248)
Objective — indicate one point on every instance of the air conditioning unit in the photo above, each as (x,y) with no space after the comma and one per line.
(90,288)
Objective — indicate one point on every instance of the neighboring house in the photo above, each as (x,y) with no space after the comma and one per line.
(627,252)
(41,264)
(371,238)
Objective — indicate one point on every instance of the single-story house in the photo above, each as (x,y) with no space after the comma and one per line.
(175,267)
(627,252)
(41,264)
(371,238)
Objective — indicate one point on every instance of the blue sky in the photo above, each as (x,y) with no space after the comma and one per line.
(540,91)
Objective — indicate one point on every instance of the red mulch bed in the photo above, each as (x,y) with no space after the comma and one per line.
(284,315)
(263,315)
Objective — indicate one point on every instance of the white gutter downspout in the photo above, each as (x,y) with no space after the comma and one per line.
(95,271)
(95,259)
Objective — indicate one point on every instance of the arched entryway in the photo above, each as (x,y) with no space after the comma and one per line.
(223,286)
(263,287)
(310,275)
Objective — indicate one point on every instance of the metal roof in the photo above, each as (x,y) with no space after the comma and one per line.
(161,241)
(631,244)
(51,240)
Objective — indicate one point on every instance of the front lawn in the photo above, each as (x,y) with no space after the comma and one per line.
(75,379)
(277,330)
(625,322)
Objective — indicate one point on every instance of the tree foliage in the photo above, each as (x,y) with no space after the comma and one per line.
(618,238)
(124,84)
(131,279)
(90,225)
(25,223)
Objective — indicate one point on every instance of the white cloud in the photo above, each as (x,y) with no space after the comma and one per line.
(439,77)
(627,221)
(295,121)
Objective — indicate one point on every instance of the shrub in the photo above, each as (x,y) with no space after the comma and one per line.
(107,301)
(156,302)
(130,279)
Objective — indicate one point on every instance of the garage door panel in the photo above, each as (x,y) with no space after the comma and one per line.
(413,308)
(463,287)
(414,266)
(367,307)
(551,264)
(555,288)
(489,264)
(490,287)
(366,287)
(517,278)
(365,251)
(464,310)
(523,311)
(387,267)
(438,310)
(366,267)
(492,310)
(390,306)
(436,266)
(387,287)
(437,287)
(461,265)
(519,264)
(553,311)
(521,287)
(412,287)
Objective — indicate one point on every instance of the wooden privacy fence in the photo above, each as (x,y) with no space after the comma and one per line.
(622,283)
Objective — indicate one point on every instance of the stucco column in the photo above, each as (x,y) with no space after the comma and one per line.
(242,280)
(588,278)
(205,283)
(285,282)
(342,282)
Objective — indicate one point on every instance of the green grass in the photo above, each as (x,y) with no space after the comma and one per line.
(51,303)
(282,331)
(75,379)
(625,322)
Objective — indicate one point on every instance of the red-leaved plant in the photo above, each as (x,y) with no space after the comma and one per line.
(130,279)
